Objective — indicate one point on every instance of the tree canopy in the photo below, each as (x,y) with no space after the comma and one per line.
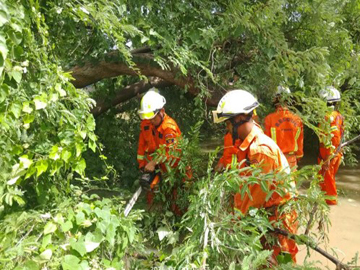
(57,57)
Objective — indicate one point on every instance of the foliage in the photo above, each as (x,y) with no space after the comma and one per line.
(45,121)
(46,126)
(80,232)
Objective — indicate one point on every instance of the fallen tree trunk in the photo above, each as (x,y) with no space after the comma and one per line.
(127,93)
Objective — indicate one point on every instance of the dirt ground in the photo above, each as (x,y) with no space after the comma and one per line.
(344,233)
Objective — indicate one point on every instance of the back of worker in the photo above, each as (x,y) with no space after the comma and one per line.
(330,162)
(286,129)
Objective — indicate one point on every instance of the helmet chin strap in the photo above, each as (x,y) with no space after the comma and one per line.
(236,125)
(162,118)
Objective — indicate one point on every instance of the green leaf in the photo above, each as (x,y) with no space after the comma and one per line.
(110,234)
(79,246)
(70,262)
(54,153)
(46,254)
(3,17)
(29,118)
(92,145)
(16,75)
(65,155)
(28,265)
(46,240)
(25,162)
(90,123)
(162,233)
(50,227)
(40,103)
(41,167)
(92,241)
(67,226)
(26,107)
(3,49)
(80,217)
(16,109)
(80,166)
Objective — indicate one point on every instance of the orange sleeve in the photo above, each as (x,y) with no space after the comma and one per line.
(267,126)
(228,150)
(141,150)
(171,137)
(258,196)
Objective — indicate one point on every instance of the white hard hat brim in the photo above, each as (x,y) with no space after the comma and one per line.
(146,115)
(218,119)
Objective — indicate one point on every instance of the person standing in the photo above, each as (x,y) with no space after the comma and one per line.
(166,135)
(236,108)
(285,128)
(335,124)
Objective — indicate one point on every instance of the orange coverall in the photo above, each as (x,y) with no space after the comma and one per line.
(146,144)
(167,134)
(286,129)
(259,148)
(326,150)
(232,155)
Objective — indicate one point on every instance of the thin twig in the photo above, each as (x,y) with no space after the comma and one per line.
(312,214)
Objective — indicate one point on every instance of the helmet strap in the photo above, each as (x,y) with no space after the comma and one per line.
(161,115)
(236,125)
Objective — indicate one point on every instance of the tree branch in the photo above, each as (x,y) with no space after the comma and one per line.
(339,265)
(113,66)
(127,93)
(91,73)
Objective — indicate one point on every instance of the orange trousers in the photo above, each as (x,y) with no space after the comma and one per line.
(329,185)
(285,244)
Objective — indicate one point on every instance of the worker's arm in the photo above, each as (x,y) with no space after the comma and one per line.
(141,151)
(171,137)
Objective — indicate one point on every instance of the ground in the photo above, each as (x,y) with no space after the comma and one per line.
(344,233)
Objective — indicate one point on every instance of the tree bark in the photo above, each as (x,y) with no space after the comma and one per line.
(91,72)
(127,93)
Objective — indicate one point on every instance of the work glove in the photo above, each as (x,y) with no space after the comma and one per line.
(146,179)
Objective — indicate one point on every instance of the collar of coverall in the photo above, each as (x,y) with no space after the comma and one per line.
(249,138)
(281,108)
(165,116)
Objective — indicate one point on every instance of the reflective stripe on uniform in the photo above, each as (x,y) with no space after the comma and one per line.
(298,131)
(273,134)
(140,157)
(233,160)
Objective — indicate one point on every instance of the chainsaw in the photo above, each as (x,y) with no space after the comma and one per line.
(148,181)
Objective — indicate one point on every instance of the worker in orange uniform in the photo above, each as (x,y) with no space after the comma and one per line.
(330,163)
(166,132)
(286,129)
(231,149)
(236,108)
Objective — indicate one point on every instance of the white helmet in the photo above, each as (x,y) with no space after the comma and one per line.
(151,103)
(233,103)
(282,90)
(330,93)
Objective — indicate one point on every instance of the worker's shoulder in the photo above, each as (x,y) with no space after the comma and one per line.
(264,145)
(169,123)
(271,116)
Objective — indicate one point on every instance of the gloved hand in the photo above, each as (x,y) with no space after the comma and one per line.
(146,179)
